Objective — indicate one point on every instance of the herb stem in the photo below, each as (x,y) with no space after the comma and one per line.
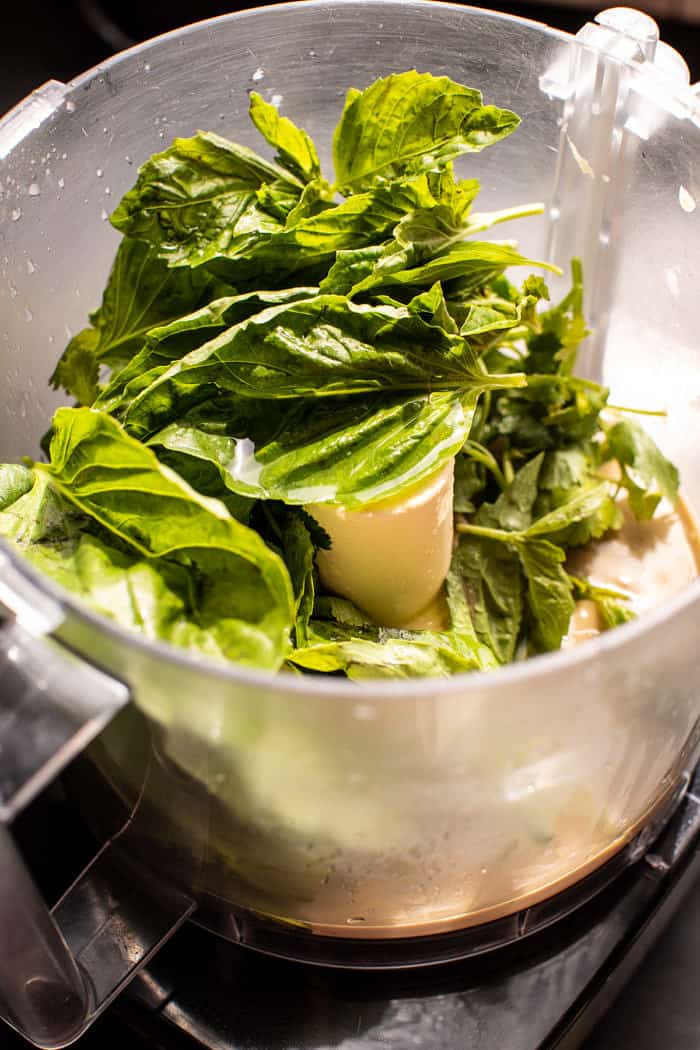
(482,455)
(466,527)
(661,412)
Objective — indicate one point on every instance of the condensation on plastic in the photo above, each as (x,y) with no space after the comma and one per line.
(391,809)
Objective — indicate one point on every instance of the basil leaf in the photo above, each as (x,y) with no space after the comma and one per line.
(646,473)
(15,481)
(408,122)
(245,596)
(352,451)
(389,654)
(469,265)
(549,597)
(351,267)
(197,198)
(321,347)
(168,342)
(295,149)
(141,293)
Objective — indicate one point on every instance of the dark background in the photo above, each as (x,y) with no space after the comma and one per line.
(44,39)
(57,39)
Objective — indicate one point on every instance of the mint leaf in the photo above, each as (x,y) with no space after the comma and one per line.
(512,510)
(646,473)
(549,598)
(493,585)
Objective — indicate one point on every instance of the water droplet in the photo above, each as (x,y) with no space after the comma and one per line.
(64,156)
(70,106)
(31,268)
(51,339)
(156,120)
(28,315)
(61,183)
(258,74)
(312,53)
(33,190)
(147,67)
(104,215)
(48,172)
(355,920)
(128,159)
(104,131)
(276,101)
(108,192)
(686,200)
(68,331)
(16,214)
(12,290)
(99,173)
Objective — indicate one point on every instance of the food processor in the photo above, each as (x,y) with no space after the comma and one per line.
(382,825)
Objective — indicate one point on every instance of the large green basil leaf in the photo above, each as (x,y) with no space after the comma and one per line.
(198,197)
(168,342)
(318,348)
(410,122)
(352,451)
(244,594)
(141,292)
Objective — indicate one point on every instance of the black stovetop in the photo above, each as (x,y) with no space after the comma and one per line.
(274,1005)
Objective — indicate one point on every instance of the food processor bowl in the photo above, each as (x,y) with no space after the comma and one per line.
(380,811)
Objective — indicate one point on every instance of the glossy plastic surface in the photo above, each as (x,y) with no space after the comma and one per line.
(384,810)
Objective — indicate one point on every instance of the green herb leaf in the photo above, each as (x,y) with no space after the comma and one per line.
(245,596)
(646,473)
(295,149)
(141,293)
(494,590)
(549,596)
(315,348)
(352,451)
(169,342)
(196,199)
(409,122)
(612,604)
(512,510)
(15,481)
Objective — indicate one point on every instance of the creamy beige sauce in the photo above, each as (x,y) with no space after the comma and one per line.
(648,561)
